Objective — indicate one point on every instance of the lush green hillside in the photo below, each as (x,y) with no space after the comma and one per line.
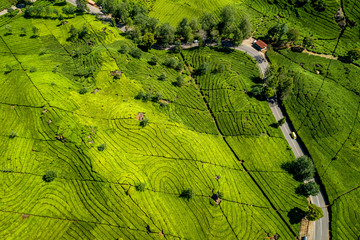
(324,109)
(62,110)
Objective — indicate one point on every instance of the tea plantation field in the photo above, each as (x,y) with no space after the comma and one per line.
(63,110)
(324,109)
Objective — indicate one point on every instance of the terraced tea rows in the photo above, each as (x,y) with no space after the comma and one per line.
(56,119)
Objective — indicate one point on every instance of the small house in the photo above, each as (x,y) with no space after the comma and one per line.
(259,45)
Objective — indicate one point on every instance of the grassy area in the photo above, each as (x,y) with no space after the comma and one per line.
(61,106)
(324,109)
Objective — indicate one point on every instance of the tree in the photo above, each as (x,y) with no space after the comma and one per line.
(308,41)
(292,35)
(194,25)
(35,31)
(171,62)
(277,32)
(162,77)
(238,37)
(187,194)
(208,22)
(303,169)
(49,176)
(314,213)
(204,68)
(82,5)
(167,34)
(269,92)
(73,33)
(245,26)
(307,189)
(281,121)
(140,187)
(180,30)
(68,10)
(123,49)
(157,97)
(13,134)
(148,40)
(140,95)
(154,60)
(180,81)
(8,68)
(8,29)
(221,67)
(23,30)
(101,147)
(144,122)
(135,52)
(256,91)
(354,54)
(227,23)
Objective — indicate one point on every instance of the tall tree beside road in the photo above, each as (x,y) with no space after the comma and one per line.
(81,5)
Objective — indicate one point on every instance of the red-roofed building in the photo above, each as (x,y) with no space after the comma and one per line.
(260,45)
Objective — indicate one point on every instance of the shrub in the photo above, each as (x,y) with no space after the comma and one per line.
(221,68)
(187,194)
(123,49)
(144,122)
(307,189)
(83,90)
(180,81)
(157,97)
(140,187)
(148,96)
(12,134)
(171,62)
(163,77)
(140,95)
(101,147)
(8,68)
(204,68)
(32,69)
(135,53)
(49,176)
(154,60)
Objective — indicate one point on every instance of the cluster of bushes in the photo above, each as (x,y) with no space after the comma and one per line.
(303,170)
(149,96)
(23,30)
(146,30)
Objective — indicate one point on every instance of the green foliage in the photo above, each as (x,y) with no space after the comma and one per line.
(188,194)
(123,49)
(154,60)
(148,40)
(307,189)
(314,213)
(13,134)
(140,187)
(354,54)
(8,68)
(83,90)
(144,122)
(35,31)
(32,69)
(281,121)
(163,77)
(82,5)
(269,92)
(308,41)
(221,68)
(293,35)
(166,33)
(49,176)
(204,68)
(135,52)
(180,81)
(302,169)
(101,147)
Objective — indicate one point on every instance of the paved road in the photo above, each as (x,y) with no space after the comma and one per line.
(93,10)
(321,231)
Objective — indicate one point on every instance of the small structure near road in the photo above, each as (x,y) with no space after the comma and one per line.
(259,45)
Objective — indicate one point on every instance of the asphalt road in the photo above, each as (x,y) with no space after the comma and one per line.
(321,229)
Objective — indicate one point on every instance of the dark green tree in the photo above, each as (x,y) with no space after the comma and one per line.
(307,189)
(49,176)
(308,41)
(144,122)
(135,52)
(204,68)
(35,31)
(180,81)
(354,54)
(293,35)
(163,77)
(140,187)
(208,22)
(166,34)
(187,194)
(281,121)
(101,147)
(82,5)
(303,169)
(227,23)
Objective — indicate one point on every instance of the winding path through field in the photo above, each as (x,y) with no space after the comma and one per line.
(321,231)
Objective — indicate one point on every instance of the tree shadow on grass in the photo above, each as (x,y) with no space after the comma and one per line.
(296,215)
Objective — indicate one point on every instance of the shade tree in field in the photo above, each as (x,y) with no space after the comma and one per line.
(166,34)
(354,54)
(148,40)
(302,169)
(293,35)
(188,194)
(49,176)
